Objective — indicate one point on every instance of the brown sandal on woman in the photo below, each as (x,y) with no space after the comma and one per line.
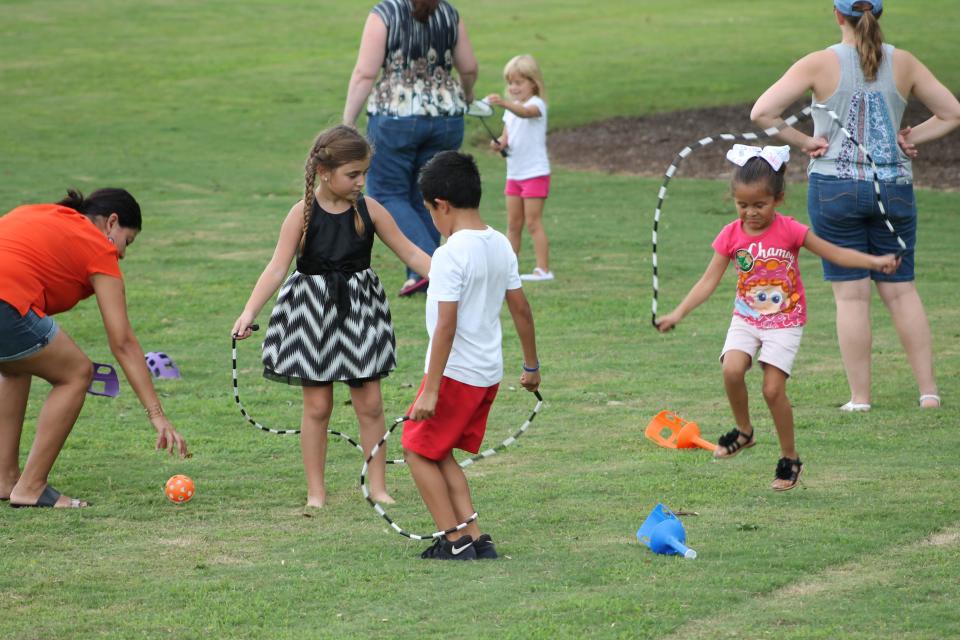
(787,475)
(732,442)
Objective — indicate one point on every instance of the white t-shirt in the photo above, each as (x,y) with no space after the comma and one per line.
(474,269)
(527,143)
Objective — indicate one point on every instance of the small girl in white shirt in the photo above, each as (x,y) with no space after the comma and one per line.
(528,168)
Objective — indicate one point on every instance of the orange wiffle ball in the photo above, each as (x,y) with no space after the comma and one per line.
(179,489)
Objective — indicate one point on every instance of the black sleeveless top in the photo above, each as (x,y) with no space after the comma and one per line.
(333,249)
(332,243)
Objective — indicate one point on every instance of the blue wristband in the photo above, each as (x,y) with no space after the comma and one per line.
(531,369)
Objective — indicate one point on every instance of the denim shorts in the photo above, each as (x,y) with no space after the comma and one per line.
(21,336)
(845,212)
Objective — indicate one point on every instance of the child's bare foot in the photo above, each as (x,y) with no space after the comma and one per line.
(316,501)
(382,497)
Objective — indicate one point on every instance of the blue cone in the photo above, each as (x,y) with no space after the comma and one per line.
(664,534)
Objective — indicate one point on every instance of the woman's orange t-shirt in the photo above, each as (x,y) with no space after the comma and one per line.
(47,254)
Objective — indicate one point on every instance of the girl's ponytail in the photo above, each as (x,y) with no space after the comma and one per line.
(869,40)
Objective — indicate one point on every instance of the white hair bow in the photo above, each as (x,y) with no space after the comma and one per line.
(775,156)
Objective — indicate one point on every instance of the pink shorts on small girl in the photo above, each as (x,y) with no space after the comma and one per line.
(538,187)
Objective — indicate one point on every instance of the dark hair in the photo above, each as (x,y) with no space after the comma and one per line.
(759,170)
(103,202)
(423,9)
(454,177)
(869,38)
(332,148)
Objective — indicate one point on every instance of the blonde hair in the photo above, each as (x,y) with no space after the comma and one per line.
(526,66)
(869,39)
(331,149)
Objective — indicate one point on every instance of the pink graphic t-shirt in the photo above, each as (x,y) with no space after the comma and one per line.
(769,289)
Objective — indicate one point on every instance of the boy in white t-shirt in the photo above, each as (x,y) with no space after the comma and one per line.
(470,276)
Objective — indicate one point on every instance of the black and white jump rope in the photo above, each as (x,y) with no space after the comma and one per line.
(464,463)
(806,113)
(373,452)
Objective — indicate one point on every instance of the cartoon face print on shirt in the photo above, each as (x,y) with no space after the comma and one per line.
(768,287)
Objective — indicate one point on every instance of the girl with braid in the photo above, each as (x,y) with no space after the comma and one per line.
(331,321)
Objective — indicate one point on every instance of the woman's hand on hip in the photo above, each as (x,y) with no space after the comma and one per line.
(815,147)
(908,149)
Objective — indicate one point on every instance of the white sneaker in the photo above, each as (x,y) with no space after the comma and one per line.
(538,275)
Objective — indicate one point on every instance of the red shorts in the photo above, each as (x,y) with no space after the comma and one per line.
(459,421)
(538,187)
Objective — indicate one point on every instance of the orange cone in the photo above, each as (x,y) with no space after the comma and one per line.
(669,430)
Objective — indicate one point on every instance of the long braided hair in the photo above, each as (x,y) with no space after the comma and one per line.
(331,149)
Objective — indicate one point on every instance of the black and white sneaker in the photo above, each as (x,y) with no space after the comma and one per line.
(485,548)
(443,549)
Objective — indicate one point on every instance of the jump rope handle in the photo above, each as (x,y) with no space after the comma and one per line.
(253,327)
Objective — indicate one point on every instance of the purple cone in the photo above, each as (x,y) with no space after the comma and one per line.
(161,366)
(105,381)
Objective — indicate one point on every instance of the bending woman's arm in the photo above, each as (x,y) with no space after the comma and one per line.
(112,301)
(373,49)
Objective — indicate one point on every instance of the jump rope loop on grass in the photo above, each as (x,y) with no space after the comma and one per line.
(463,464)
(373,452)
(804,114)
(281,432)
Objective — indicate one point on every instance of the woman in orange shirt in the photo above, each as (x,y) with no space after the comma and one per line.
(51,257)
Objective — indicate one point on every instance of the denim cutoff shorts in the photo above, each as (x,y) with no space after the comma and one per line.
(845,212)
(21,336)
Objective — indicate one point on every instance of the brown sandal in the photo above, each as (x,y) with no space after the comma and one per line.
(788,470)
(731,443)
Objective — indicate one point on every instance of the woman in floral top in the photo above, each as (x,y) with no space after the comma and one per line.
(408,52)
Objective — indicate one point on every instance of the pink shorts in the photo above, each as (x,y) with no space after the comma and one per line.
(538,187)
(459,421)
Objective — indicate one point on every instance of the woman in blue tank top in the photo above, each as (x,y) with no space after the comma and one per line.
(867,83)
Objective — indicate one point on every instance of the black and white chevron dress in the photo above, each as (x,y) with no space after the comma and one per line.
(331,321)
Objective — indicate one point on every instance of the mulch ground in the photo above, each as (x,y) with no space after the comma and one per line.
(645,146)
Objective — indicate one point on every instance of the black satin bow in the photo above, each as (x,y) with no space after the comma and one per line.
(336,277)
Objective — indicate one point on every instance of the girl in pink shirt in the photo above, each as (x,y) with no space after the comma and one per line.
(770,307)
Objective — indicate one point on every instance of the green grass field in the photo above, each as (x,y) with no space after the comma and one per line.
(205,111)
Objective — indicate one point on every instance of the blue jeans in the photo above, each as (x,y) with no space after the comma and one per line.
(21,336)
(401,146)
(845,212)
